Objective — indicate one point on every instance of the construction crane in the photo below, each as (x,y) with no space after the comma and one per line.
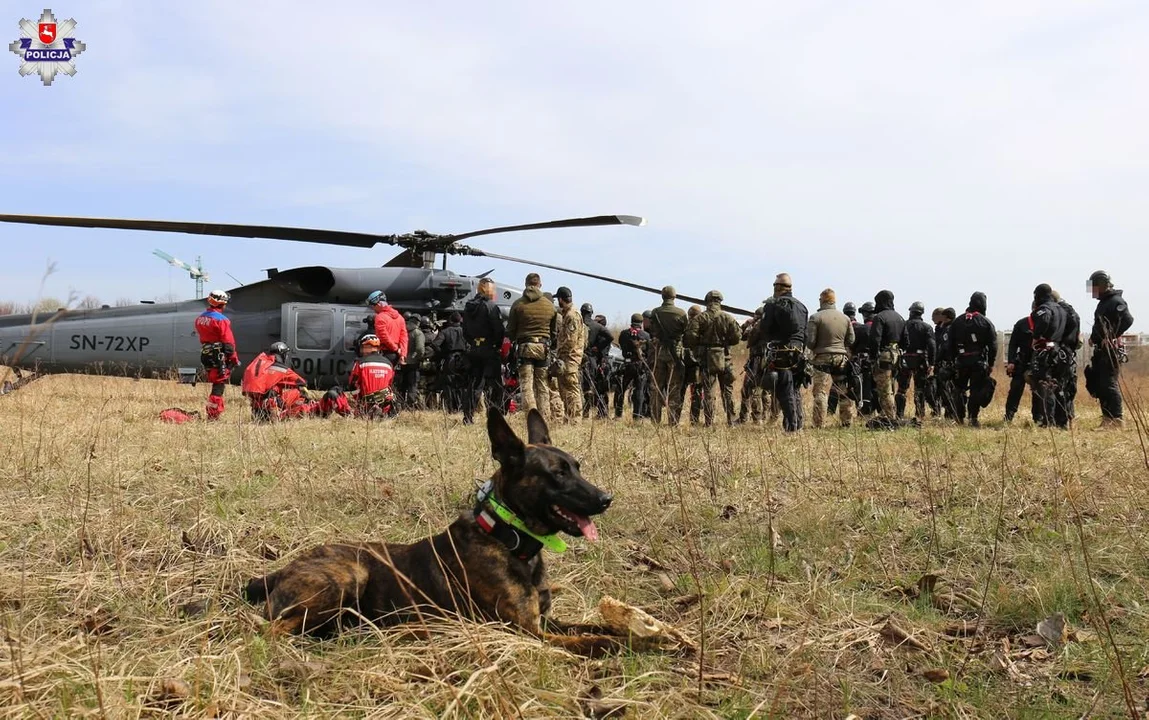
(195,272)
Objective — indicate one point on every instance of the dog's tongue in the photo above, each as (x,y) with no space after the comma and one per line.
(589,531)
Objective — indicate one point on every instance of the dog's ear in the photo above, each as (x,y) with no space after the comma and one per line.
(537,432)
(506,447)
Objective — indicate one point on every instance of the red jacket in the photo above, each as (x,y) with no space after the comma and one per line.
(392,331)
(264,374)
(371,374)
(214,327)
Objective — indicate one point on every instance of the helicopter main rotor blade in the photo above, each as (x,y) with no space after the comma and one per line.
(604,278)
(573,222)
(267,232)
(418,241)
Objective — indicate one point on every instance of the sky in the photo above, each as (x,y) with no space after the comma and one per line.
(933,149)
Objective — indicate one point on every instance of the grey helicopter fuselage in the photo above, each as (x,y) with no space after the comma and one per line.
(318,311)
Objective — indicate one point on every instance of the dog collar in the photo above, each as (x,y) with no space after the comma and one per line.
(497,519)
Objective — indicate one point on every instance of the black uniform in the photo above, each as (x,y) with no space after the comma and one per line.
(1071,340)
(634,343)
(1110,321)
(452,380)
(784,330)
(886,328)
(596,368)
(484,330)
(1048,364)
(863,366)
(944,372)
(972,344)
(1018,355)
(919,352)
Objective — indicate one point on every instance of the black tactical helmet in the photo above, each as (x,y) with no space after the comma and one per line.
(647,314)
(587,309)
(917,307)
(280,350)
(867,309)
(1100,278)
(563,293)
(849,309)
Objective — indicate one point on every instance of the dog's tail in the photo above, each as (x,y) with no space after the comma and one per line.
(258,588)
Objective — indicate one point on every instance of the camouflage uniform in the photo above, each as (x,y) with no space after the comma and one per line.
(531,328)
(830,335)
(667,325)
(754,372)
(570,344)
(710,336)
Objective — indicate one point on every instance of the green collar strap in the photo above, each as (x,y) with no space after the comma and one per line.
(486,497)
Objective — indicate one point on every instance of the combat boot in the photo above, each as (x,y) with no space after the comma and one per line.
(1112,423)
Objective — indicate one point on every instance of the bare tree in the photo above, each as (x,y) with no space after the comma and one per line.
(7,307)
(89,302)
(168,298)
(123,302)
(49,305)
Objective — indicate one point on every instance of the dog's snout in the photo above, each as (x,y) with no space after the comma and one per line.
(604,500)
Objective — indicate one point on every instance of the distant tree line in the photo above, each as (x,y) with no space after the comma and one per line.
(49,305)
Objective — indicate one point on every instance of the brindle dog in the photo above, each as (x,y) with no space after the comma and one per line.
(476,568)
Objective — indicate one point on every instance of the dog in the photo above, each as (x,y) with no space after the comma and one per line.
(486,565)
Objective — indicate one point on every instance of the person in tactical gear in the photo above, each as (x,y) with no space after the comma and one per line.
(390,327)
(370,382)
(484,331)
(862,360)
(1071,341)
(1111,319)
(692,375)
(830,335)
(1048,363)
(752,405)
(532,329)
(408,375)
(946,368)
(885,352)
(570,347)
(919,352)
(217,349)
(595,365)
(784,330)
(972,344)
(1017,357)
(667,326)
(452,380)
(851,312)
(635,345)
(709,336)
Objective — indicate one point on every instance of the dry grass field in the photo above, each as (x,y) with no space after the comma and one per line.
(828,574)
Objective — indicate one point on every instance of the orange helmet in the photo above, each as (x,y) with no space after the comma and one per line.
(218,298)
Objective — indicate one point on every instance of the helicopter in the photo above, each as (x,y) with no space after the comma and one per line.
(318,311)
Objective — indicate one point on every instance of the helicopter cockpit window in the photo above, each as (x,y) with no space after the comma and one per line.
(313,329)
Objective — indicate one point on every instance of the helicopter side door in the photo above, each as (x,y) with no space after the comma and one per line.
(321,337)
